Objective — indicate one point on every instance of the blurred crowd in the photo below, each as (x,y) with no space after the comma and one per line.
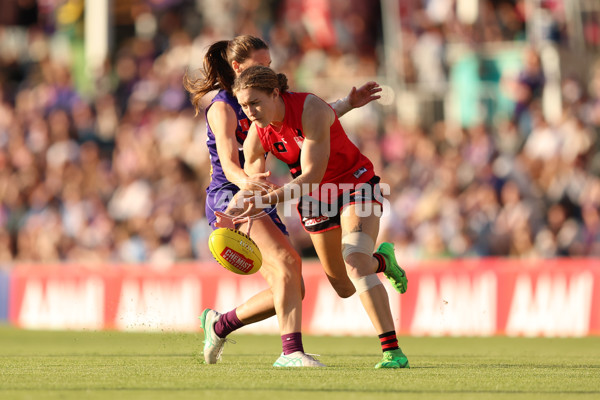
(113,167)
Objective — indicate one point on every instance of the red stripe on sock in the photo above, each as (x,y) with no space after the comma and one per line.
(380,262)
(388,341)
(389,346)
(388,338)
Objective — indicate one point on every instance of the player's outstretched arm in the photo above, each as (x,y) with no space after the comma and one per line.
(357,98)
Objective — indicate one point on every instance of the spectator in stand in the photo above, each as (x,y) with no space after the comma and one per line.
(529,87)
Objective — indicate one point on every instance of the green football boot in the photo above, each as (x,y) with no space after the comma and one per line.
(393,272)
(393,359)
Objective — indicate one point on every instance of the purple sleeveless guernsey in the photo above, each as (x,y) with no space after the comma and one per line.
(220,191)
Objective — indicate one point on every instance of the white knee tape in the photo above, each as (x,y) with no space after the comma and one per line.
(357,242)
(365,283)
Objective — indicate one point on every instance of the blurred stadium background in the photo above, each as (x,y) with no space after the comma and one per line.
(487,132)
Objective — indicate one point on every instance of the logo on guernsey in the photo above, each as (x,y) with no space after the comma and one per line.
(280,147)
(299,140)
(237,260)
(359,172)
(245,124)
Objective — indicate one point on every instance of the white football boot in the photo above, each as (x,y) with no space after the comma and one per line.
(213,345)
(297,359)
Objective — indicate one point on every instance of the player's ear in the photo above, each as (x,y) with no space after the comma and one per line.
(275,93)
(236,67)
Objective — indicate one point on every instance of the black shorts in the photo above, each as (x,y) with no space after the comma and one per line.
(318,216)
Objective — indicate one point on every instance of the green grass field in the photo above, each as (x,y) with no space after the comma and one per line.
(114,365)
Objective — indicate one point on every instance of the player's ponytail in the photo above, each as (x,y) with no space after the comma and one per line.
(216,72)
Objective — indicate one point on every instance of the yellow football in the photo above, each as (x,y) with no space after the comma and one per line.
(235,251)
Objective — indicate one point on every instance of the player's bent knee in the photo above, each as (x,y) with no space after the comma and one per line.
(282,276)
(287,260)
(364,283)
(357,242)
(283,262)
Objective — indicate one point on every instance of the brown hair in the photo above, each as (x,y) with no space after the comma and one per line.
(261,78)
(217,72)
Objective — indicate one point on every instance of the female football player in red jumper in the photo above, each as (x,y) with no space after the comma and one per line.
(227,126)
(340,202)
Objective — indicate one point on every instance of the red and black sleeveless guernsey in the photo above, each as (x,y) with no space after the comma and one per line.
(346,163)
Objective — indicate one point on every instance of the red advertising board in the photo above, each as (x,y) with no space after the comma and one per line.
(478,297)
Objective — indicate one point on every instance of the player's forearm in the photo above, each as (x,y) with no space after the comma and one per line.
(254,166)
(341,106)
(234,173)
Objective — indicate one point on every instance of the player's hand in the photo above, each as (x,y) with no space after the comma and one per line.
(258,182)
(224,220)
(364,95)
(228,221)
(261,176)
(250,205)
(253,206)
